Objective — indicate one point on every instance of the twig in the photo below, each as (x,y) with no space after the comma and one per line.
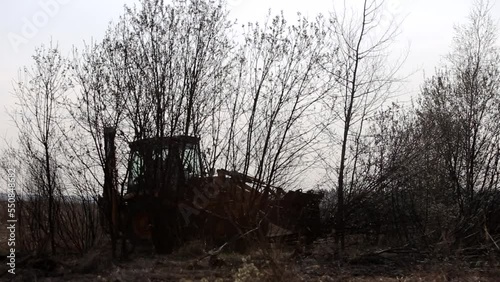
(391,249)
(217,251)
(491,238)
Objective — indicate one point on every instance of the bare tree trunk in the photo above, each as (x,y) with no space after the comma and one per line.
(361,88)
(110,200)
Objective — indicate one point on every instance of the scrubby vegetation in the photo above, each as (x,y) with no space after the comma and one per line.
(410,193)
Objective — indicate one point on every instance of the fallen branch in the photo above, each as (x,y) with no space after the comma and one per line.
(491,238)
(218,250)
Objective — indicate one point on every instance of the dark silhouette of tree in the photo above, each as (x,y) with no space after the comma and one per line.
(363,82)
(461,106)
(39,92)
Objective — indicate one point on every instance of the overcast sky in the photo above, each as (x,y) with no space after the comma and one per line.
(427,31)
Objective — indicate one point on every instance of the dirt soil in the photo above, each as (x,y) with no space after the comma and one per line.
(314,263)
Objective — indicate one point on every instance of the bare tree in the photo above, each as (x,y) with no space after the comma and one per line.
(279,80)
(40,90)
(171,58)
(434,168)
(460,105)
(363,82)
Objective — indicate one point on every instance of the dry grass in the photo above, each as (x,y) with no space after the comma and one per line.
(256,266)
(264,262)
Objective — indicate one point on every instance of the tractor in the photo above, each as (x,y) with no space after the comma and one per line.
(170,198)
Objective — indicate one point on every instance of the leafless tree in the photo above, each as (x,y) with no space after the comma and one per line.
(460,104)
(434,168)
(171,62)
(39,91)
(363,82)
(279,81)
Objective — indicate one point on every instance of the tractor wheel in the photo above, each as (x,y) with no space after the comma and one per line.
(165,231)
(139,223)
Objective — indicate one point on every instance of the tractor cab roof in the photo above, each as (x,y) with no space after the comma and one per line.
(164,141)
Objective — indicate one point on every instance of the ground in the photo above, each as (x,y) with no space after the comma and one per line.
(276,263)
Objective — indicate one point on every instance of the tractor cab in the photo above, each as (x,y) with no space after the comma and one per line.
(161,172)
(160,167)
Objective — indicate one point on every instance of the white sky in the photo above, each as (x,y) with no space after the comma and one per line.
(427,31)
